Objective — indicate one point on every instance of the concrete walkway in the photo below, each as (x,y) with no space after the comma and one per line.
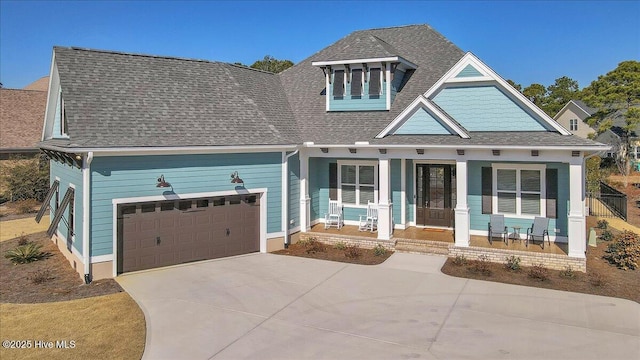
(266,306)
(13,228)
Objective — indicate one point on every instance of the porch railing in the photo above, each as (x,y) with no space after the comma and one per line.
(608,202)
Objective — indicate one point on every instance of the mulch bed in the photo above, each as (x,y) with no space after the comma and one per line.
(601,278)
(64,283)
(367,256)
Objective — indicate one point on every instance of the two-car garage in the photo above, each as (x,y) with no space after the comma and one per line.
(170,232)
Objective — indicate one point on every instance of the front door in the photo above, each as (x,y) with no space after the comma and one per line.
(434,200)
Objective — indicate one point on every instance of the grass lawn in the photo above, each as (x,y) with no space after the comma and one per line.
(103,327)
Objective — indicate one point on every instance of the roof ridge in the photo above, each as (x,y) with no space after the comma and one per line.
(392,27)
(32,90)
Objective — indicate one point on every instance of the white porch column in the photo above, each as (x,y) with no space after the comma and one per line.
(577,232)
(462,207)
(403,193)
(385,220)
(305,200)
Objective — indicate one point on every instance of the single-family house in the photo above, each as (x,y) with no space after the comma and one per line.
(161,160)
(21,114)
(572,116)
(614,136)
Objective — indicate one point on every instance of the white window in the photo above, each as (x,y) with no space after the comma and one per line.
(357,182)
(573,124)
(519,190)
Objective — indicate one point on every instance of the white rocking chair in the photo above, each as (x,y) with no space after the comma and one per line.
(334,216)
(369,222)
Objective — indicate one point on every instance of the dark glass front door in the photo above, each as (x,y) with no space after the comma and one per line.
(434,200)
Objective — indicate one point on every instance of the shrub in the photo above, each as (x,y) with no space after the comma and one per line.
(379,250)
(603,224)
(567,272)
(24,240)
(539,272)
(304,242)
(41,276)
(512,263)
(340,245)
(625,251)
(314,246)
(606,235)
(481,266)
(596,279)
(25,253)
(460,260)
(28,179)
(352,251)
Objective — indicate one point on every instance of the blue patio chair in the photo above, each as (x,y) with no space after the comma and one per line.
(538,229)
(497,228)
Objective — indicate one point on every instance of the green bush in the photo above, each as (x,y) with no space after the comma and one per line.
(512,263)
(624,252)
(28,179)
(606,235)
(603,224)
(379,250)
(539,272)
(340,245)
(25,253)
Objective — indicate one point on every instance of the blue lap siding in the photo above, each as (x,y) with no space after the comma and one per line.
(135,176)
(68,175)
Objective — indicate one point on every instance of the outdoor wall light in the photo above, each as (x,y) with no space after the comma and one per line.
(161,183)
(235,179)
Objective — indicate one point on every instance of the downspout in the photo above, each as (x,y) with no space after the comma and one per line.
(86,207)
(285,197)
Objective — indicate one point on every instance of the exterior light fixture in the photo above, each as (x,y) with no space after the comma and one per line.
(353,150)
(460,151)
(162,183)
(324,150)
(420,151)
(235,179)
(534,153)
(382,151)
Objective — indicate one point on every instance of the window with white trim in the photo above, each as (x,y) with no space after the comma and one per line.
(519,189)
(573,124)
(357,182)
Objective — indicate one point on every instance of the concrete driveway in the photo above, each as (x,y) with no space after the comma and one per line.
(266,306)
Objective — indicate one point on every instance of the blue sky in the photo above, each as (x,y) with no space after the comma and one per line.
(528,42)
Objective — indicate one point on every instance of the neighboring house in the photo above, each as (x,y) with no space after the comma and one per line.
(573,115)
(41,84)
(613,136)
(21,114)
(159,160)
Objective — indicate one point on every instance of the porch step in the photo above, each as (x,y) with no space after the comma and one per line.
(422,246)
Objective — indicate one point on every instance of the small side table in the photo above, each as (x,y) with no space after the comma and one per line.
(516,233)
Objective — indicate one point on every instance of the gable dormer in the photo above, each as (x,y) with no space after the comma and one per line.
(364,75)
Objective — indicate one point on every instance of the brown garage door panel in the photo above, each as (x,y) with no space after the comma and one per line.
(169,233)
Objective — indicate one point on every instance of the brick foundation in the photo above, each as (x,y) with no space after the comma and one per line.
(363,242)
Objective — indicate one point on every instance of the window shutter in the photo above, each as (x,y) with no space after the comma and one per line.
(47,200)
(552,193)
(356,82)
(487,206)
(66,200)
(338,83)
(374,83)
(333,181)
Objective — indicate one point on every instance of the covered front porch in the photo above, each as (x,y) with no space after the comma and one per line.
(430,240)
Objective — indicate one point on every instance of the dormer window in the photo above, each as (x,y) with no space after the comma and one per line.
(363,84)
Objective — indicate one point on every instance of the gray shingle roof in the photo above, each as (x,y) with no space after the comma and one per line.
(304,83)
(362,45)
(585,107)
(115,99)
(533,139)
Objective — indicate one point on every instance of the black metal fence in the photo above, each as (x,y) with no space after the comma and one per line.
(608,202)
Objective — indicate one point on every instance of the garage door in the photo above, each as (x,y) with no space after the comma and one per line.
(173,232)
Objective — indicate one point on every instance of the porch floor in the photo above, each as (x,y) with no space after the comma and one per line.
(414,234)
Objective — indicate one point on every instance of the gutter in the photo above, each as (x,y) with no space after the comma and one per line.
(86,218)
(285,196)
